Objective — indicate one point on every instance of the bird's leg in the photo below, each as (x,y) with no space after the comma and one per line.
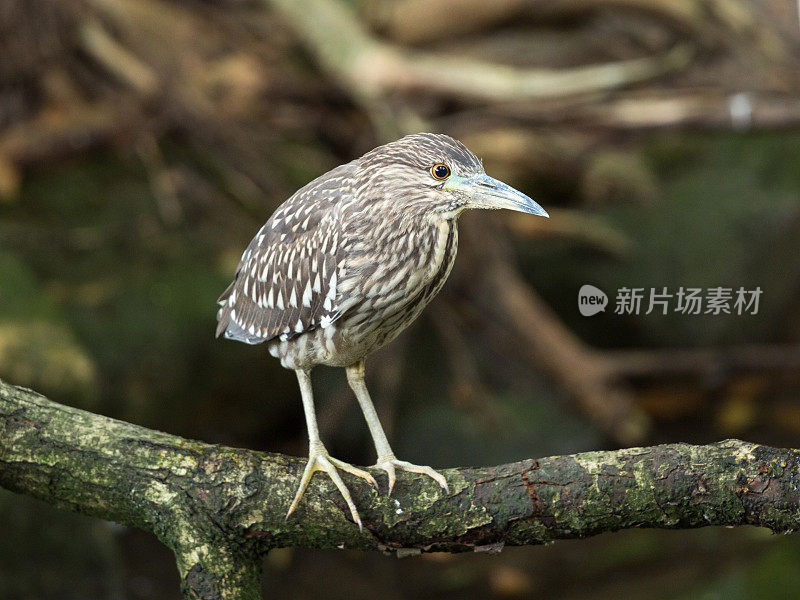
(386,458)
(318,457)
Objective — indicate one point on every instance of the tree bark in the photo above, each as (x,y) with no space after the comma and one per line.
(220,508)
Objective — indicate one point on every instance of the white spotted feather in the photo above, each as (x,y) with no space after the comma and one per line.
(277,291)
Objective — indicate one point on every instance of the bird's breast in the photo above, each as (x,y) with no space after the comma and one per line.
(416,267)
(389,283)
(396,287)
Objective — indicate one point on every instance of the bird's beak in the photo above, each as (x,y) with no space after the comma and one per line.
(487,192)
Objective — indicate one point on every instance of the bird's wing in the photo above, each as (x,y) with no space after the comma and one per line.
(286,282)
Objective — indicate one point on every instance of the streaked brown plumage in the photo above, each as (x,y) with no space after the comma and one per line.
(351,259)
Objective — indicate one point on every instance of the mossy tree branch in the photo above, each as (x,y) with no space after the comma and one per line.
(219,508)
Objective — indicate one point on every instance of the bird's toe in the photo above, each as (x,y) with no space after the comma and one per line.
(322,461)
(340,464)
(391,473)
(390,464)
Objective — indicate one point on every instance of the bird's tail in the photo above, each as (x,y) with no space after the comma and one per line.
(229,327)
(224,312)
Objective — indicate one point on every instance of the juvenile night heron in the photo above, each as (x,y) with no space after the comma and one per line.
(351,259)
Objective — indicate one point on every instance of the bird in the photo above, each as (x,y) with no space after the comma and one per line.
(350,260)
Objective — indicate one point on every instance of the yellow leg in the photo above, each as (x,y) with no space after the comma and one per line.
(386,458)
(318,457)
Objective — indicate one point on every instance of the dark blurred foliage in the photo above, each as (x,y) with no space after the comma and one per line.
(143,142)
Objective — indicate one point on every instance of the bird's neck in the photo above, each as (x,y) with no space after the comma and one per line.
(444,247)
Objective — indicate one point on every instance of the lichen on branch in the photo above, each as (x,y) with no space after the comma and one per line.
(220,508)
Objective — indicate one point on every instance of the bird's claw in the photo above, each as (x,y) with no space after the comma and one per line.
(390,464)
(320,460)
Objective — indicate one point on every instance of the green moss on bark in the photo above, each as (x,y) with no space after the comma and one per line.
(219,508)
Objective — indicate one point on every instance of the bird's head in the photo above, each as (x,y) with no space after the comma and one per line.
(434,173)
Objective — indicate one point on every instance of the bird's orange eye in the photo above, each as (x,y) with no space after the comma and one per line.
(440,171)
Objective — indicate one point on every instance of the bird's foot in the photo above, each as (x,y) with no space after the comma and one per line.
(390,464)
(320,460)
